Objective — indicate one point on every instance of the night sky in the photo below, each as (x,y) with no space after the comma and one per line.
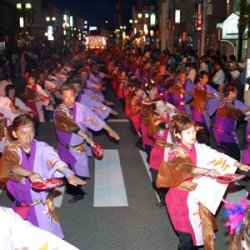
(96,11)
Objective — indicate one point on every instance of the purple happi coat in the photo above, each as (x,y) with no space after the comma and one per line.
(98,96)
(97,107)
(44,160)
(180,96)
(204,104)
(226,118)
(71,146)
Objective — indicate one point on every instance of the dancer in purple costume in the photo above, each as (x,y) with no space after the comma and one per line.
(229,112)
(26,160)
(202,106)
(71,122)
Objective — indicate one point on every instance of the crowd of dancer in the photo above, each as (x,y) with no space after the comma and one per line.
(171,107)
(174,105)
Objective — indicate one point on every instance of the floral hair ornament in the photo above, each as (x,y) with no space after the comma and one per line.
(235,212)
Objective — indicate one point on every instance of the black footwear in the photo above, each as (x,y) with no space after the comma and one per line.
(76,198)
(161,204)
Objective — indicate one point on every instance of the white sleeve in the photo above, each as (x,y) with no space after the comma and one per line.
(40,91)
(20,104)
(213,159)
(19,234)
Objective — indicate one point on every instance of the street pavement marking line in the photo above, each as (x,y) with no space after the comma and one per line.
(59,192)
(109,188)
(144,159)
(118,120)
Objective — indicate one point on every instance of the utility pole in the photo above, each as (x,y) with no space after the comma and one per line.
(204,27)
(163,23)
(242,26)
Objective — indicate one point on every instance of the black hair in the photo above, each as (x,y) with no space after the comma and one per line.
(8,88)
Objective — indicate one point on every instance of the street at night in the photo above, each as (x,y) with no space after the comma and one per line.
(124,125)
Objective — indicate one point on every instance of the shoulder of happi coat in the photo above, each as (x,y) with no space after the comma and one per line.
(177,151)
(62,109)
(14,148)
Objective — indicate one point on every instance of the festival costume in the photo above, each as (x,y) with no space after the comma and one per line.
(36,98)
(162,144)
(97,96)
(20,234)
(120,88)
(97,107)
(180,95)
(7,109)
(135,113)
(204,103)
(192,201)
(34,205)
(20,105)
(3,135)
(146,113)
(128,94)
(71,146)
(226,118)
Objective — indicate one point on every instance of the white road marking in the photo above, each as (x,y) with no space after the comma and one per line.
(118,120)
(109,188)
(144,159)
(58,192)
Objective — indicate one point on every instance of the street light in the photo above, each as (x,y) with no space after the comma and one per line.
(19,6)
(28,6)
(50,27)
(25,9)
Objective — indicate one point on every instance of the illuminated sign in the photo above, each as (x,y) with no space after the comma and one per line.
(152,19)
(177,16)
(71,22)
(50,33)
(92,28)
